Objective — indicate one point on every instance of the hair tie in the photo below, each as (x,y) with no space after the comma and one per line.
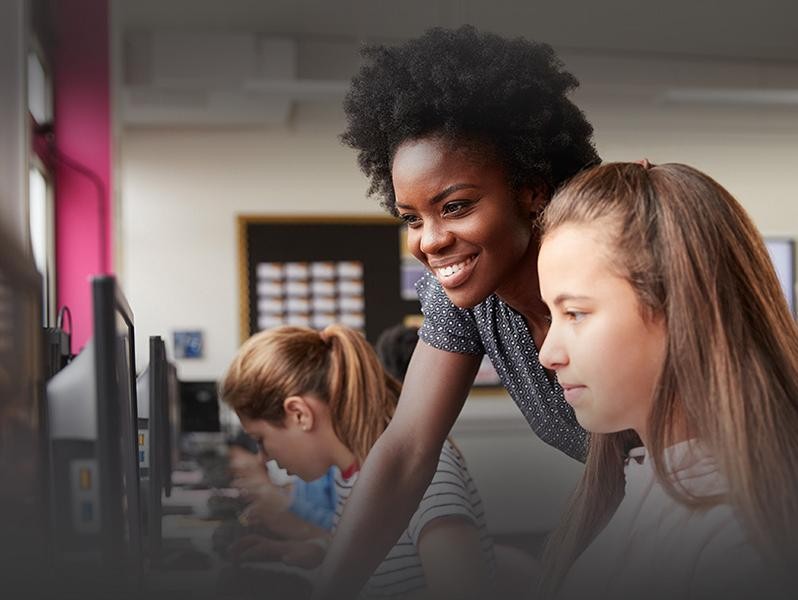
(644,163)
(326,339)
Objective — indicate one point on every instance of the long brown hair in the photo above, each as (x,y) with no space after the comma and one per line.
(730,375)
(337,365)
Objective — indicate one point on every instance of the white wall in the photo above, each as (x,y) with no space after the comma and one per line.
(182,191)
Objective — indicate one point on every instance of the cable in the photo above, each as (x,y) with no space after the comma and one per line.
(60,318)
(59,323)
(46,131)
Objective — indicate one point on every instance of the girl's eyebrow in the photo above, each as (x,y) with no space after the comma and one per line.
(443,194)
(567,297)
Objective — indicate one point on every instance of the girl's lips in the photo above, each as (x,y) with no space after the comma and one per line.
(573,393)
(459,278)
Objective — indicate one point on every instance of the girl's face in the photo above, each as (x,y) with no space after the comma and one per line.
(293,448)
(464,222)
(607,356)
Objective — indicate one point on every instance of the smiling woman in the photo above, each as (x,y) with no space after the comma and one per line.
(465,136)
(465,223)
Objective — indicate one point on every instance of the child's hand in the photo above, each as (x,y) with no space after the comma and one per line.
(268,502)
(242,463)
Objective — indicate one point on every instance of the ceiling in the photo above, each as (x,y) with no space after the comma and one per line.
(729,29)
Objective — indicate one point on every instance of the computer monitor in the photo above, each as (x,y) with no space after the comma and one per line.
(199,401)
(25,542)
(155,466)
(93,416)
(175,425)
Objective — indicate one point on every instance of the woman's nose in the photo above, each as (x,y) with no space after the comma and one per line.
(434,238)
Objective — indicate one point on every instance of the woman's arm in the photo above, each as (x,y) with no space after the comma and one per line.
(453,561)
(398,469)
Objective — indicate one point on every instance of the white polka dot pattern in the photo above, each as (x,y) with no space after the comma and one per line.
(495,329)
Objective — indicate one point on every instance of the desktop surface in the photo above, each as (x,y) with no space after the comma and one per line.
(195,518)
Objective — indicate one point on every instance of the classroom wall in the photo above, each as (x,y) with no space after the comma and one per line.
(182,190)
(181,194)
(82,128)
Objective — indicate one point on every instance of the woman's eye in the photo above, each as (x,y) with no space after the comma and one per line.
(455,207)
(409,220)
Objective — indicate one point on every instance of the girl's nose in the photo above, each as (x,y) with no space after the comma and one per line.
(552,354)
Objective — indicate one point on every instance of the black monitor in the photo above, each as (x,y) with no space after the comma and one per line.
(93,416)
(175,425)
(25,566)
(155,465)
(199,402)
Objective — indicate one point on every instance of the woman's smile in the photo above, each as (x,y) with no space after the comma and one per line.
(452,274)
(464,221)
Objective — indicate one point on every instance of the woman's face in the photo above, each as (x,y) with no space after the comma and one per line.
(607,355)
(292,447)
(464,222)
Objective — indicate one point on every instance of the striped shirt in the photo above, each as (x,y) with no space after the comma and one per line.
(452,492)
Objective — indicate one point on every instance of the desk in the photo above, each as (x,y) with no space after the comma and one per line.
(213,578)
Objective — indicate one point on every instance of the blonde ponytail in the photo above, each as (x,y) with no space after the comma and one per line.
(337,365)
(361,395)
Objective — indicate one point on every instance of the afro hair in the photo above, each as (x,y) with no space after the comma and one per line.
(468,86)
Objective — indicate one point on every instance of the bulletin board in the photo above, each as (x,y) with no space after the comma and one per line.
(311,270)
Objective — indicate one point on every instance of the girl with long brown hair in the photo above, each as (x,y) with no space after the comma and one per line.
(317,399)
(674,344)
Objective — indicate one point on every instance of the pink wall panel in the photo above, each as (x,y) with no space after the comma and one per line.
(84,215)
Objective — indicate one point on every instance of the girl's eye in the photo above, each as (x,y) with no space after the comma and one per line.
(574,315)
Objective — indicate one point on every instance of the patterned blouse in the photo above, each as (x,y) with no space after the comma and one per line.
(494,328)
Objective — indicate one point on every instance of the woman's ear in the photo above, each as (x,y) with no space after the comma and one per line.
(299,413)
(533,200)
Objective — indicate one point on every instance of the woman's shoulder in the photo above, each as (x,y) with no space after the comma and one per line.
(445,326)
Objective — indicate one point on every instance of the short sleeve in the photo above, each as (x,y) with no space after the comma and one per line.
(445,326)
(451,493)
(314,501)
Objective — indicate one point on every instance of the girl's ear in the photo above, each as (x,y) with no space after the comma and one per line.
(298,413)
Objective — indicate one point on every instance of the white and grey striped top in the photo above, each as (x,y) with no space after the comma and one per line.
(452,492)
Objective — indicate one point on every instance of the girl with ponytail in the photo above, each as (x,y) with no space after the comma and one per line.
(316,399)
